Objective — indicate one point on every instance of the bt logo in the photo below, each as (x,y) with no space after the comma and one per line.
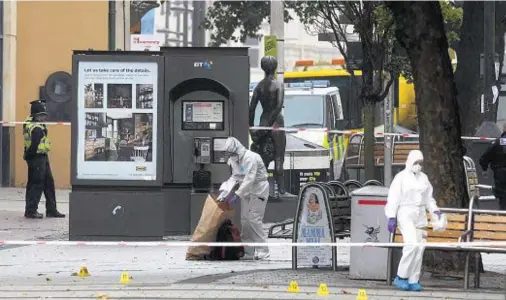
(203,64)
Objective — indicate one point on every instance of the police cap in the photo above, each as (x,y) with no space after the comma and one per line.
(38,107)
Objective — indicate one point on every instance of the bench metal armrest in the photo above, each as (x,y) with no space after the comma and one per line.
(281,224)
(464,236)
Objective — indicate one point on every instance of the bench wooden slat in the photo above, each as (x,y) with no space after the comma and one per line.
(452,217)
(398,239)
(489,219)
(490,227)
(489,236)
(452,227)
(403,151)
(406,146)
(452,234)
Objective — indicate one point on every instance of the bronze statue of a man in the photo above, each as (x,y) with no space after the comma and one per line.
(270,93)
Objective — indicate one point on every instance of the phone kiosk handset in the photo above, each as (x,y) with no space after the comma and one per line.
(202,150)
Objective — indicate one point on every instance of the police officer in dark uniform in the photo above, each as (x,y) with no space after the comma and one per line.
(40,178)
(495,156)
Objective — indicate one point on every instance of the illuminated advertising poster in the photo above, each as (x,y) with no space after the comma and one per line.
(117,104)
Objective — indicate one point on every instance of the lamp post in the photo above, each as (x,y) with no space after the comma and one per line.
(278,30)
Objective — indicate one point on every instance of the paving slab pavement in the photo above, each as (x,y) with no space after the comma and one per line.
(224,292)
(163,273)
(14,226)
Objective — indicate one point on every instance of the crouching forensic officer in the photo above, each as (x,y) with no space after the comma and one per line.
(40,178)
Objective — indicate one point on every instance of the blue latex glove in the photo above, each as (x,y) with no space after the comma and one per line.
(392,225)
(437,213)
(234,199)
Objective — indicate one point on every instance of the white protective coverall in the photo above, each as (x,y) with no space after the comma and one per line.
(409,197)
(248,168)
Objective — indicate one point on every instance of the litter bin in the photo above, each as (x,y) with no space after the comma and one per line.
(369,224)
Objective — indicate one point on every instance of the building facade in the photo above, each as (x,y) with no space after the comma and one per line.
(37,44)
(39,39)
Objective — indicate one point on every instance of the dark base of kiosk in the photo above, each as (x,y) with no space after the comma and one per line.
(135,215)
(116,216)
(183,213)
(149,215)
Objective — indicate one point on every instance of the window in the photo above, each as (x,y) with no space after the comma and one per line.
(300,111)
(331,118)
(338,109)
(253,51)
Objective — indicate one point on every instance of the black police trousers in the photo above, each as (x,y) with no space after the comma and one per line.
(40,180)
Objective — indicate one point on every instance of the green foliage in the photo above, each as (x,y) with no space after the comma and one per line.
(453,21)
(372,21)
(224,17)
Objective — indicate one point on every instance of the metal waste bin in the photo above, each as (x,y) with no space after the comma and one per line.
(369,224)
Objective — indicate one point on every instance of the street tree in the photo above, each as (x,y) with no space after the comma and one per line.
(371,21)
(420,30)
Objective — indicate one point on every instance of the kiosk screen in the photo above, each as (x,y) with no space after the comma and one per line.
(203,115)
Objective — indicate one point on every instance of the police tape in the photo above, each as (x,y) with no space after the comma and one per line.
(24,122)
(289,130)
(351,132)
(445,245)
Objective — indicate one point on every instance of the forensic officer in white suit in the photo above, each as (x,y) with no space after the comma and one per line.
(409,197)
(249,170)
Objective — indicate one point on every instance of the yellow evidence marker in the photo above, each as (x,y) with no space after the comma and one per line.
(362,295)
(83,272)
(125,278)
(323,290)
(293,287)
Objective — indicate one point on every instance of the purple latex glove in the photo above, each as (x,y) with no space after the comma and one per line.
(234,199)
(392,225)
(437,213)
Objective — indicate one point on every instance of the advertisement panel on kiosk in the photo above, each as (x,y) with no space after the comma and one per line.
(117,105)
(115,157)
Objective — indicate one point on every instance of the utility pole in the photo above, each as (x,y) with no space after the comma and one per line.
(278,30)
(388,128)
(112,25)
(489,59)
(198,33)
(1,89)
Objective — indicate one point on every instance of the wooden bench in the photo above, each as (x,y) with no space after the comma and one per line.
(454,233)
(355,152)
(457,226)
(485,226)
(479,225)
(401,151)
(355,155)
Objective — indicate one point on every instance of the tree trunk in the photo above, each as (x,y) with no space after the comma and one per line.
(368,89)
(369,140)
(420,29)
(467,76)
